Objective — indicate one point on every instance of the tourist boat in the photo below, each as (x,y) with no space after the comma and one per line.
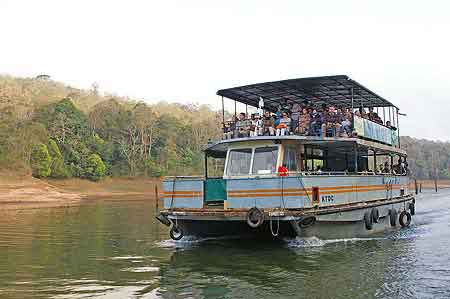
(348,196)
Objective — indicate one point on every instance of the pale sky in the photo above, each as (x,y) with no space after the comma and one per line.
(185,51)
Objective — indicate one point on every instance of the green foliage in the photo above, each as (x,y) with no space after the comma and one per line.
(53,149)
(95,168)
(40,161)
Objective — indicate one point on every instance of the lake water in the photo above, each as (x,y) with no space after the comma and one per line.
(117,250)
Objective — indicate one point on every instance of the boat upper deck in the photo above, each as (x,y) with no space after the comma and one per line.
(219,147)
(317,109)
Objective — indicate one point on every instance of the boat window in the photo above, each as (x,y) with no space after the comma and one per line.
(290,159)
(265,160)
(239,161)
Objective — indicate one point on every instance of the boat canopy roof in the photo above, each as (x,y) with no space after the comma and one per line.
(339,90)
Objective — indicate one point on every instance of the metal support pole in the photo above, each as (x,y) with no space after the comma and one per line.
(384,116)
(356,157)
(390,119)
(223,115)
(206,166)
(235,109)
(398,131)
(375,161)
(392,163)
(353,107)
(415,186)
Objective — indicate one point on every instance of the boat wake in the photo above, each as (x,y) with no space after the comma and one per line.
(189,241)
(317,242)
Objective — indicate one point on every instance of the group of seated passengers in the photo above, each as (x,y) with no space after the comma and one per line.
(300,120)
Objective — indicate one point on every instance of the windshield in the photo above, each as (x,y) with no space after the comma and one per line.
(239,161)
(265,160)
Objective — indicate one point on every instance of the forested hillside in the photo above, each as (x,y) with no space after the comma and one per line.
(52,130)
(59,131)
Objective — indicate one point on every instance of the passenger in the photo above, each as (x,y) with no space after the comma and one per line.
(304,123)
(348,114)
(373,116)
(230,128)
(283,127)
(257,126)
(268,124)
(399,168)
(386,168)
(388,124)
(346,127)
(362,113)
(331,121)
(295,116)
(317,119)
(242,126)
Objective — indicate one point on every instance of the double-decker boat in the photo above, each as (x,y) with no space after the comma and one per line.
(319,185)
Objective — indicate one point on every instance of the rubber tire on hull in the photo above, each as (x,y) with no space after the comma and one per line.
(375,215)
(412,208)
(368,220)
(393,217)
(401,219)
(176,233)
(307,221)
(255,217)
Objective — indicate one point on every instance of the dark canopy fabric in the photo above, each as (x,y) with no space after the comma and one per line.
(329,90)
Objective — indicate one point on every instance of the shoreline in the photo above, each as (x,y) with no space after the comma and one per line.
(20,192)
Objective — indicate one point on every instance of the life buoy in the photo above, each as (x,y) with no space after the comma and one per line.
(307,221)
(255,217)
(401,219)
(412,208)
(176,233)
(368,220)
(375,215)
(393,217)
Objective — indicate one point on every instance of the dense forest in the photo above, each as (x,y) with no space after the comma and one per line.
(53,130)
(49,129)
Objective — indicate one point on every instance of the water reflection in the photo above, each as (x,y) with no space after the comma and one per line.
(117,250)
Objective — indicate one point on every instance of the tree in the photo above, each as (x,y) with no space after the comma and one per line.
(95,168)
(58,168)
(40,161)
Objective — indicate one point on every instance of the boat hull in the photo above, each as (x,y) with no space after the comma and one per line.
(348,223)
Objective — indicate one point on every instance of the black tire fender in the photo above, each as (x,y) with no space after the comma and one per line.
(375,215)
(307,221)
(163,219)
(393,217)
(401,219)
(412,208)
(368,220)
(255,217)
(176,233)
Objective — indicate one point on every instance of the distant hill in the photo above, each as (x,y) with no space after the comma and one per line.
(427,159)
(67,132)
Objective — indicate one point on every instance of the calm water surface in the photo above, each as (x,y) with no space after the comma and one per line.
(117,250)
